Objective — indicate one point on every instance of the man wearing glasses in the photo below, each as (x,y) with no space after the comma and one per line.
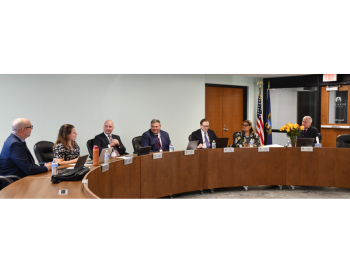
(15,158)
(204,135)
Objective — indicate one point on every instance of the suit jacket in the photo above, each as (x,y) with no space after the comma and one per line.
(102,142)
(312,132)
(149,139)
(197,135)
(16,159)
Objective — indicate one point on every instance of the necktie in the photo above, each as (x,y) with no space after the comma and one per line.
(29,154)
(206,140)
(159,146)
(114,147)
(304,132)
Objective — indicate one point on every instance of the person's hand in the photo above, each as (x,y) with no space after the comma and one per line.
(200,146)
(48,166)
(114,142)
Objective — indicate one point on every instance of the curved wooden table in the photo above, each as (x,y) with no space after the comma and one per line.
(206,169)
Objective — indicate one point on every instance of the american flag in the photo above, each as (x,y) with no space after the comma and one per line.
(259,121)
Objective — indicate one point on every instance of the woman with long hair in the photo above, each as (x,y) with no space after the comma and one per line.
(244,136)
(66,150)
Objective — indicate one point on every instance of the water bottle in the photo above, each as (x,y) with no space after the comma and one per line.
(288,143)
(213,145)
(251,142)
(54,166)
(106,157)
(171,147)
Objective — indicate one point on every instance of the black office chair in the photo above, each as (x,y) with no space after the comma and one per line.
(44,151)
(90,146)
(343,141)
(190,137)
(136,143)
(319,137)
(7,180)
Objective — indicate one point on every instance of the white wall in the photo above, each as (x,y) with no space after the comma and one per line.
(131,101)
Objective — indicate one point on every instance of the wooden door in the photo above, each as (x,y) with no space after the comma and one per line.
(224,110)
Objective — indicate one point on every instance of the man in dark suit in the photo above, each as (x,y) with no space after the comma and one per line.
(204,135)
(107,139)
(159,140)
(309,131)
(15,158)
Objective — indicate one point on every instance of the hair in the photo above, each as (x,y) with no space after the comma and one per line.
(250,124)
(63,134)
(310,118)
(203,120)
(18,124)
(155,121)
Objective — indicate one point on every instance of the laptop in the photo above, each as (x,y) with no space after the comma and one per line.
(192,145)
(144,150)
(102,155)
(302,142)
(220,142)
(81,162)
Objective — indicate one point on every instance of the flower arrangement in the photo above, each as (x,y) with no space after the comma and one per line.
(293,131)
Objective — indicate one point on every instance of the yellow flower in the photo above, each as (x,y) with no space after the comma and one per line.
(288,130)
(301,127)
(291,127)
(296,126)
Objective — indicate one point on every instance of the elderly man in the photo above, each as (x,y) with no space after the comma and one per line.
(204,135)
(309,131)
(159,140)
(107,139)
(15,158)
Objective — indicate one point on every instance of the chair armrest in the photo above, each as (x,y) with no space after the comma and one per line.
(13,177)
(8,180)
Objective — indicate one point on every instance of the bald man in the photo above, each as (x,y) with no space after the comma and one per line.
(107,139)
(15,158)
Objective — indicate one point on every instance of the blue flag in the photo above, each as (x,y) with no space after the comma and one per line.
(268,124)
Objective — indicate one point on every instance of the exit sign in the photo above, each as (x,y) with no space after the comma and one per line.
(329,77)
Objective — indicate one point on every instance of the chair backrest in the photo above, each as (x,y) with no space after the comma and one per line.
(136,143)
(44,151)
(343,141)
(90,146)
(190,137)
(319,137)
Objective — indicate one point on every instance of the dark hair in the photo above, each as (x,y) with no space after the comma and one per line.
(203,120)
(250,124)
(63,134)
(155,121)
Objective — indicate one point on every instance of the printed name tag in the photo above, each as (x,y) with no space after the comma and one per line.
(63,192)
(263,149)
(105,167)
(229,150)
(319,145)
(127,160)
(157,155)
(307,149)
(189,152)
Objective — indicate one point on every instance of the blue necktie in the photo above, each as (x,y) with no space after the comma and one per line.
(206,140)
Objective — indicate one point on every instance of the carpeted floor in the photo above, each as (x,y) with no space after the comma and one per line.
(269,192)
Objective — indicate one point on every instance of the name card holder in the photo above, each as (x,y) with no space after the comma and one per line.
(128,160)
(229,150)
(157,155)
(318,145)
(263,149)
(189,152)
(307,149)
(104,167)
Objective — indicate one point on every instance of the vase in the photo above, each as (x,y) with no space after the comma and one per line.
(293,141)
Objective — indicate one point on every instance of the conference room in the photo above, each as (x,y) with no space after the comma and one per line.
(87,101)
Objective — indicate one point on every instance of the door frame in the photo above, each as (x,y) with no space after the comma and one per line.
(245,95)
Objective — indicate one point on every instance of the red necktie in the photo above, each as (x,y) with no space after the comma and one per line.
(115,147)
(159,146)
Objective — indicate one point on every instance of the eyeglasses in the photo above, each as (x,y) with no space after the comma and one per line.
(31,126)
(245,125)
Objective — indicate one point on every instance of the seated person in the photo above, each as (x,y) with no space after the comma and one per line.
(15,158)
(309,131)
(204,135)
(107,139)
(66,150)
(159,140)
(243,137)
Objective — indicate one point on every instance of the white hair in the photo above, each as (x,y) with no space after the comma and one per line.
(310,118)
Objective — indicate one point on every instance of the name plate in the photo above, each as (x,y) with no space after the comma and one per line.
(104,167)
(85,181)
(263,149)
(229,150)
(63,192)
(307,149)
(189,152)
(318,145)
(157,155)
(128,160)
